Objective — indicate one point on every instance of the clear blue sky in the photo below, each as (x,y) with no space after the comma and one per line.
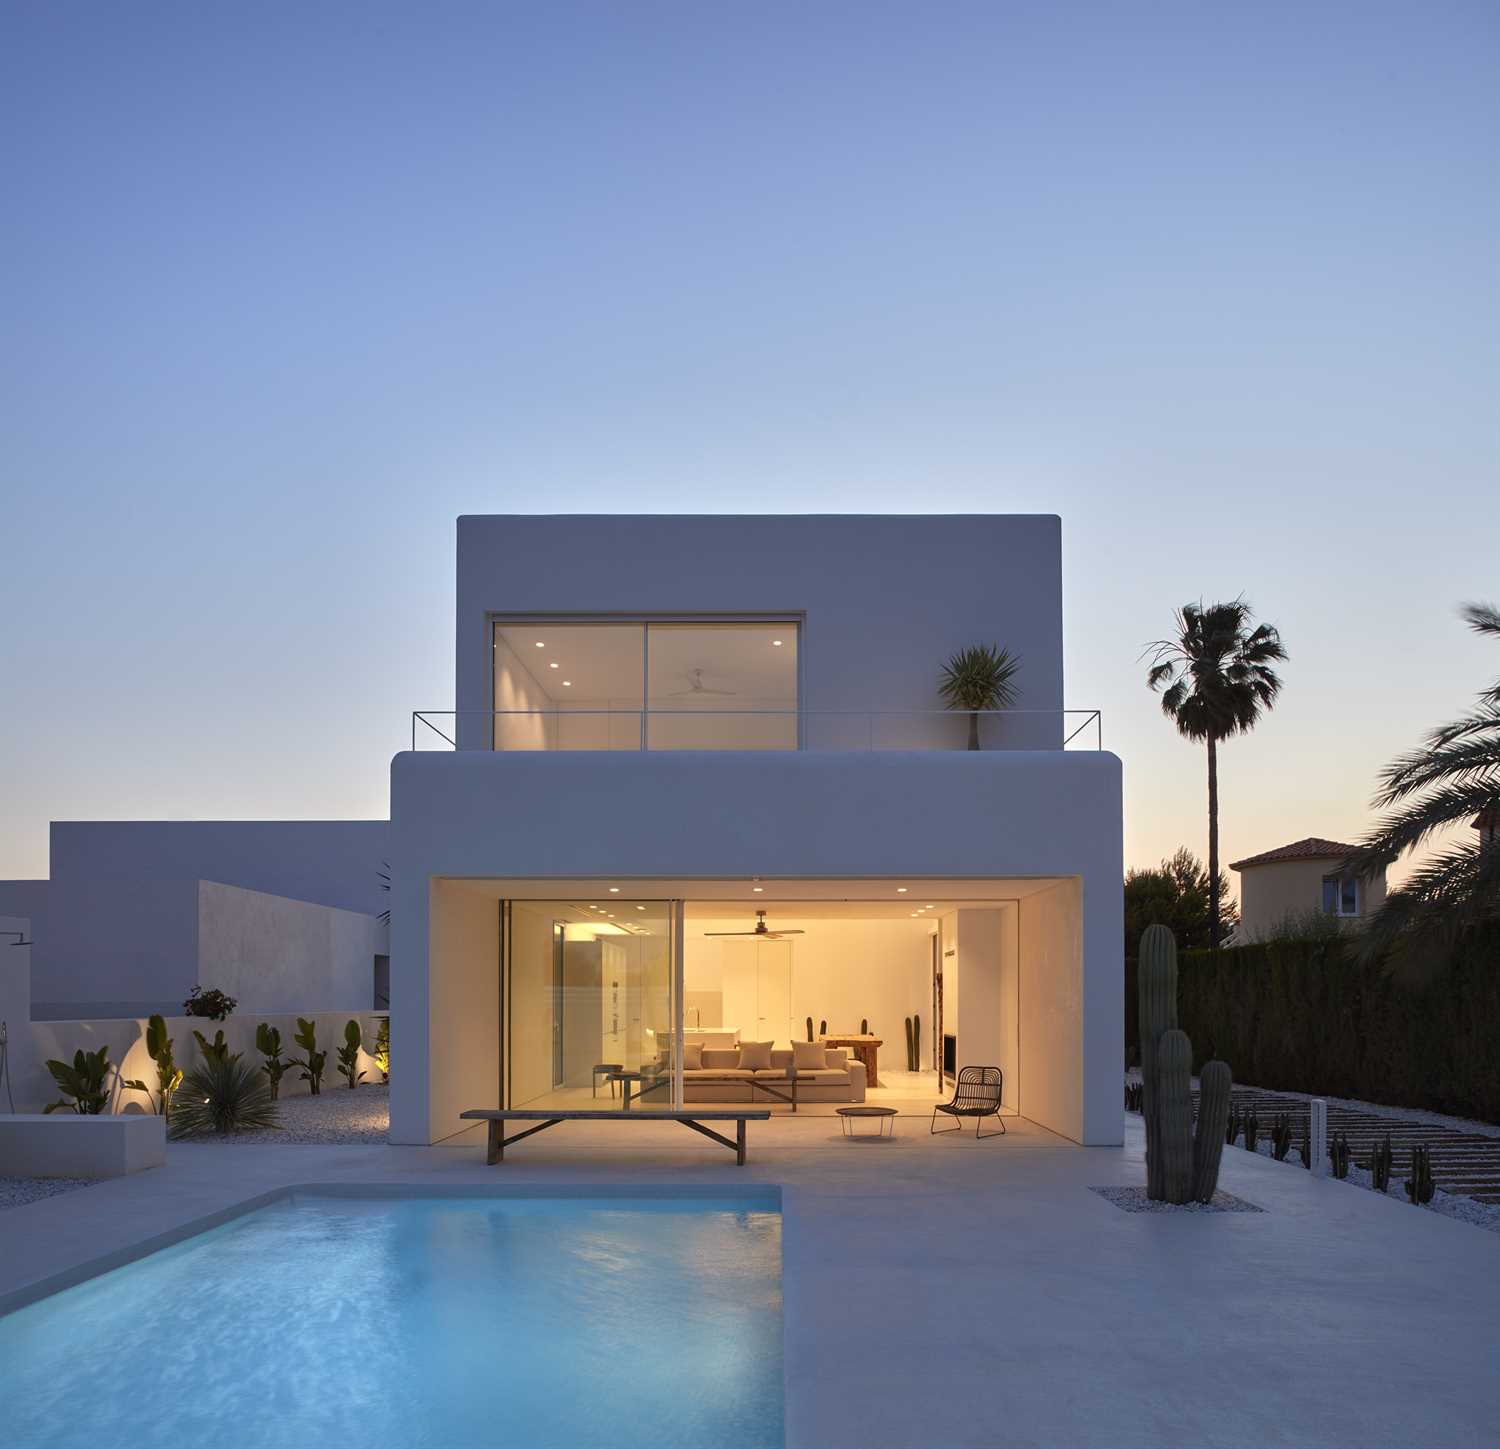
(287,287)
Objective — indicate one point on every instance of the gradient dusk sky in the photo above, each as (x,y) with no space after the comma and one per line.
(287,287)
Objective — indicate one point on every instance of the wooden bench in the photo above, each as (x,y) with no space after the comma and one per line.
(550,1117)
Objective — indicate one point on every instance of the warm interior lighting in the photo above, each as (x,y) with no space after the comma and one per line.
(777,643)
(540,645)
(757,889)
(614,890)
(567,684)
(900,890)
(554,665)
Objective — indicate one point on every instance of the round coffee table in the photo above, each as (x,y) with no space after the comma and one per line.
(885,1121)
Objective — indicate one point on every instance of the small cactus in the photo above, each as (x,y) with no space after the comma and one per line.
(1338,1152)
(809,1029)
(864,1026)
(909,1066)
(822,1028)
(1232,1126)
(1420,1186)
(1380,1165)
(1251,1129)
(916,1042)
(1281,1136)
(1306,1147)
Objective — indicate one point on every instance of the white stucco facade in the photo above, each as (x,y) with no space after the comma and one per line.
(877,604)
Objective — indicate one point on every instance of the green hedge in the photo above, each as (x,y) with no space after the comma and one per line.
(1305,1016)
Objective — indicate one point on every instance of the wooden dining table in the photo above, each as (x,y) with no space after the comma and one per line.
(866,1048)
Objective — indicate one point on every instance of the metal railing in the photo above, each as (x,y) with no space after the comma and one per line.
(754,729)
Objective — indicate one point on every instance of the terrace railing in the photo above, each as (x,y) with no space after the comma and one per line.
(753,729)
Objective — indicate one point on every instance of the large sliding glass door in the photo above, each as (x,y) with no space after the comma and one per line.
(589,1013)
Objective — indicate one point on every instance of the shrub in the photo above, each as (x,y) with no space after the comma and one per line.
(382,1052)
(268,1044)
(84,1083)
(349,1054)
(213,1004)
(312,1061)
(217,1049)
(221,1096)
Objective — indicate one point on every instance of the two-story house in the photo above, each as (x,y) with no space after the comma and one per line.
(666,726)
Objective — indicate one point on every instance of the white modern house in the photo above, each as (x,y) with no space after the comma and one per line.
(667,725)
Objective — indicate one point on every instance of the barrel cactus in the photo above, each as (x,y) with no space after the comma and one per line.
(1181,1165)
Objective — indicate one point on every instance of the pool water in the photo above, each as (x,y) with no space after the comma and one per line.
(413,1322)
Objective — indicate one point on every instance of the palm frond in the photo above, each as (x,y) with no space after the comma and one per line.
(1405,829)
(1461,762)
(1450,895)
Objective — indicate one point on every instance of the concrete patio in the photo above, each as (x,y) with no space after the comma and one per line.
(943,1291)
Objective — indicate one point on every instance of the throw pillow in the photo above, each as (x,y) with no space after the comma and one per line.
(809,1056)
(755,1056)
(692,1056)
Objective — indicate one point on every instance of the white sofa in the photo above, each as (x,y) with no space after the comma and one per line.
(722,1079)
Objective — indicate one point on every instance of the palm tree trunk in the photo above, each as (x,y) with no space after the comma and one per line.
(1213,843)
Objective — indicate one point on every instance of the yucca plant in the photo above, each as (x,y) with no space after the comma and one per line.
(221,1096)
(979,678)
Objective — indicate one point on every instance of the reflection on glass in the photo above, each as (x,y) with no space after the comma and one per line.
(722,687)
(589,1014)
(568,686)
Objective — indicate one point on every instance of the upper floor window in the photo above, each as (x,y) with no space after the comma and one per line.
(1340,895)
(672,684)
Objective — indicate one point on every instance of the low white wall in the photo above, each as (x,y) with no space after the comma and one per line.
(274,954)
(126,1039)
(65,1145)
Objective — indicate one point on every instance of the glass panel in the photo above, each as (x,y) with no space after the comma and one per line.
(568,686)
(1330,896)
(722,687)
(590,1014)
(1349,906)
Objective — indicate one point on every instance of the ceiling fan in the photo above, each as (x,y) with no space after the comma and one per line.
(762,932)
(697,686)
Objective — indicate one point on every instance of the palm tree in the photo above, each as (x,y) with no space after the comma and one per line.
(979,678)
(1217,678)
(1453,778)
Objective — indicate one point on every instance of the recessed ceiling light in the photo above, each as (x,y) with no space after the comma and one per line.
(640,908)
(929,908)
(900,890)
(777,643)
(915,914)
(757,889)
(554,665)
(567,684)
(614,890)
(540,645)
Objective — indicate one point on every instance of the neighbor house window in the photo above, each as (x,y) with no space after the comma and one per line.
(1340,895)
(670,684)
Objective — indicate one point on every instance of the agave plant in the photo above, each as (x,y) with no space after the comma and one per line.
(979,678)
(222,1095)
(1454,779)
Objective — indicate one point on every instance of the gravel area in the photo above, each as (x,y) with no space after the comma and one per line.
(335,1115)
(1134,1200)
(17,1190)
(1450,1205)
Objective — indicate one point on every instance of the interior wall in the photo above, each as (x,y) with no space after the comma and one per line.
(988,1023)
(1051,1014)
(530,1004)
(842,971)
(463,1005)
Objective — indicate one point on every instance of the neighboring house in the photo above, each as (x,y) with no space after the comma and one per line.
(282,915)
(1487,823)
(1301,879)
(667,724)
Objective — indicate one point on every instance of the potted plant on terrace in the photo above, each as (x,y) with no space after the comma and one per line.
(979,678)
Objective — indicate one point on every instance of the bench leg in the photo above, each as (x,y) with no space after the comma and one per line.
(495,1147)
(739,1143)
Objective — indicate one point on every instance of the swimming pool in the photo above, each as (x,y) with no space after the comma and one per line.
(420,1323)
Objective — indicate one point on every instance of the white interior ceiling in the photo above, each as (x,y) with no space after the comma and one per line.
(606,661)
(831,899)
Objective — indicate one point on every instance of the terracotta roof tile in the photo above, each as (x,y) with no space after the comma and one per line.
(1313,848)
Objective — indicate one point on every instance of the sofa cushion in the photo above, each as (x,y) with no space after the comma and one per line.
(809,1056)
(755,1055)
(692,1056)
(718,1074)
(721,1056)
(826,1074)
(772,1074)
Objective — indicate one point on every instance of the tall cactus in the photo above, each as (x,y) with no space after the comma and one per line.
(1181,1165)
(1214,1083)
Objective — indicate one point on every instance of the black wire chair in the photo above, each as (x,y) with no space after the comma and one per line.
(976,1094)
